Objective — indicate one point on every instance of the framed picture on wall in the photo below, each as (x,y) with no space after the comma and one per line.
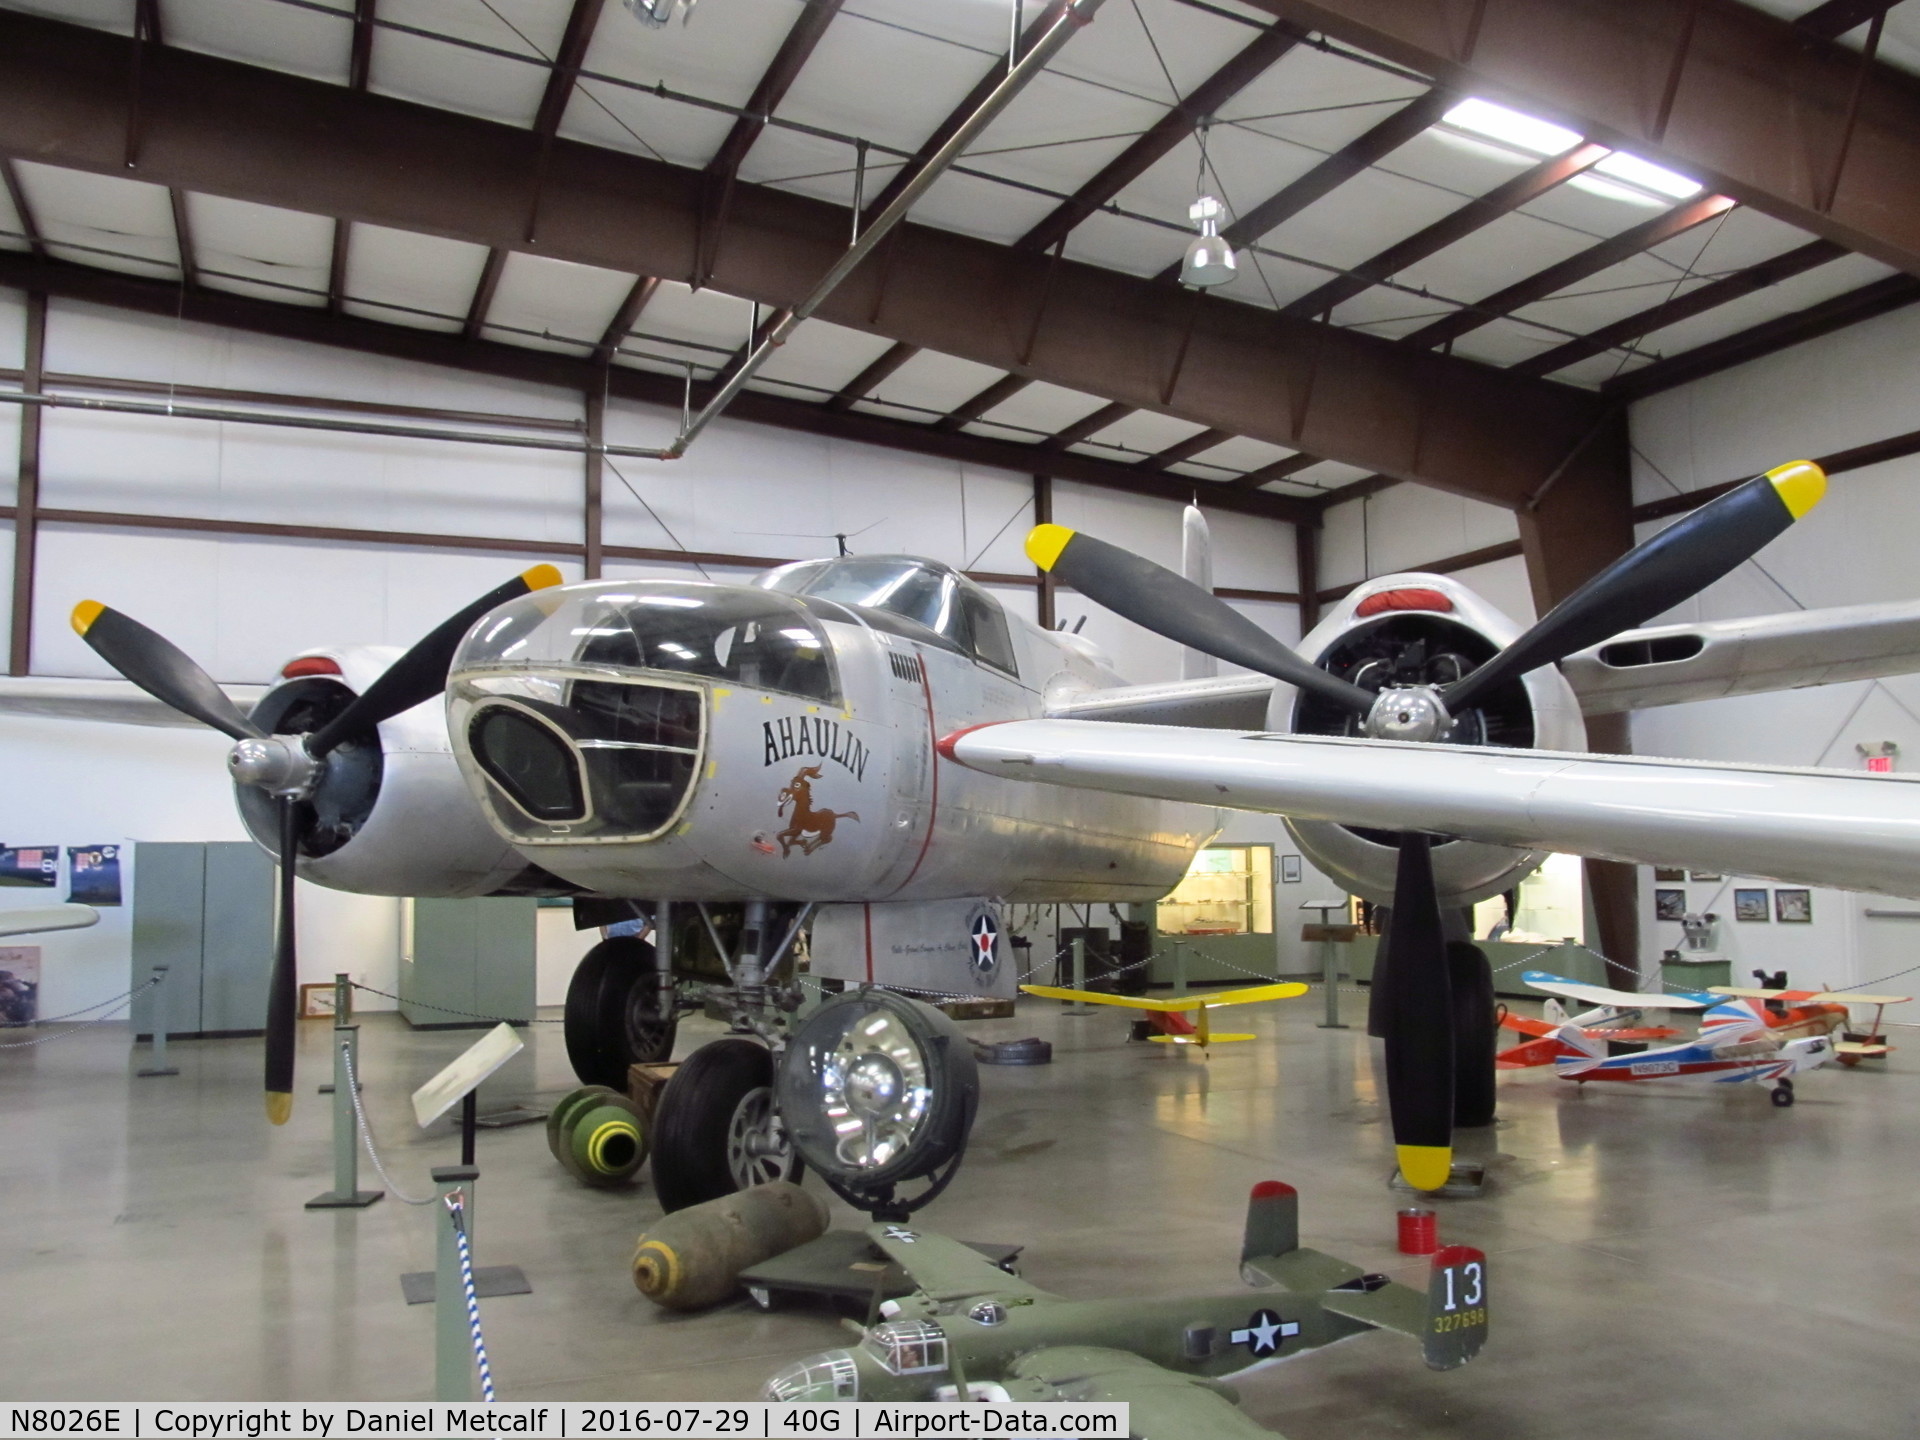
(316,1000)
(1793,907)
(1669,904)
(1289,869)
(1664,876)
(1751,905)
(1707,877)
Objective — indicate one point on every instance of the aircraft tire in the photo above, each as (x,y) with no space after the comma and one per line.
(1781,1095)
(612,1017)
(1475,1035)
(714,1107)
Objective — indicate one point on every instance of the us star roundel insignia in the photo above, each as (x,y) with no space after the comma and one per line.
(1264,1332)
(985,954)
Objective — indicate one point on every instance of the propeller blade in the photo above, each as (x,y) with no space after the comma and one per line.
(283,988)
(1154,597)
(159,667)
(1675,565)
(421,673)
(1418,1023)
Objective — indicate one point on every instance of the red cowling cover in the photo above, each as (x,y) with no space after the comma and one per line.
(1409,599)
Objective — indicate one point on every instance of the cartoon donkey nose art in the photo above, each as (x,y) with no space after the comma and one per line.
(810,828)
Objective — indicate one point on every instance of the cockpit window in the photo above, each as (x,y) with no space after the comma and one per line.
(928,593)
(725,633)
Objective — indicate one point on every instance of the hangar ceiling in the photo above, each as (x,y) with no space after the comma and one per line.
(1431,287)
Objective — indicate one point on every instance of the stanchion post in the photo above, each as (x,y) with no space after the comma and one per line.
(1179,966)
(346,1193)
(1079,1007)
(452,1340)
(1326,934)
(157,1060)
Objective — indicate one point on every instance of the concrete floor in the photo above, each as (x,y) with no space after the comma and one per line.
(1667,1260)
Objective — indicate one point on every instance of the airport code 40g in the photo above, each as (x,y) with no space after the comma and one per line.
(757,1420)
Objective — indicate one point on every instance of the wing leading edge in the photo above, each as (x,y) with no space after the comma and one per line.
(1848,830)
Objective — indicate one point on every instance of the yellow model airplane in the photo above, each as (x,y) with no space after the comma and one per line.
(1169,1016)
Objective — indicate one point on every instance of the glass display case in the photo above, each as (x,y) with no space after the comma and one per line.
(1228,890)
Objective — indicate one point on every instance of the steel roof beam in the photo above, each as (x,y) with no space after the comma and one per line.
(1589,262)
(1000,391)
(217,126)
(1503,199)
(1279,470)
(313,325)
(359,69)
(29,227)
(1728,288)
(1166,134)
(625,318)
(780,74)
(1187,448)
(1738,99)
(1895,292)
(1835,18)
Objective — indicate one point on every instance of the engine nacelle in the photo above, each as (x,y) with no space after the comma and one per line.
(1424,629)
(389,818)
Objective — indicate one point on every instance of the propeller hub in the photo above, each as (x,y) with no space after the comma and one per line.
(277,765)
(1411,712)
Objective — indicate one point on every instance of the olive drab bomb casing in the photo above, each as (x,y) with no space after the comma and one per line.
(693,1257)
(598,1136)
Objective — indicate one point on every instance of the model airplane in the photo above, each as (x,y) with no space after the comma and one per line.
(972,1331)
(1168,1017)
(46,918)
(678,747)
(1793,1013)
(1735,1044)
(1605,1022)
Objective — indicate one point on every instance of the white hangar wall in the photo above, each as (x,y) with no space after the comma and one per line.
(1846,389)
(241,604)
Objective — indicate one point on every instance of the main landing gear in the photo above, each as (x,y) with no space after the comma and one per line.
(715,1128)
(1782,1094)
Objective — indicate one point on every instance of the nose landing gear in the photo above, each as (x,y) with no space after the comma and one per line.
(722,1092)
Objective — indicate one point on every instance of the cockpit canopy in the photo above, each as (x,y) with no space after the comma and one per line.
(935,597)
(715,632)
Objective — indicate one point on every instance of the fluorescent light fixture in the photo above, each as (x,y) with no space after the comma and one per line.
(1510,128)
(1648,176)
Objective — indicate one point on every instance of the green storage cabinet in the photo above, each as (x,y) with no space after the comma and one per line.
(466,958)
(1684,972)
(206,912)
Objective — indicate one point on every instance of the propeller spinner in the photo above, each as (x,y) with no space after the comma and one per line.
(288,767)
(1674,566)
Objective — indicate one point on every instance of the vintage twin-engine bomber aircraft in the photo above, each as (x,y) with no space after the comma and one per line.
(736,761)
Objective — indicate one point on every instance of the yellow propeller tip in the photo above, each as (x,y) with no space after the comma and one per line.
(85,613)
(1045,543)
(279,1107)
(1799,484)
(1425,1167)
(541,577)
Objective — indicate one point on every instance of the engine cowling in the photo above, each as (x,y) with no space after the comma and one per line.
(392,814)
(1424,630)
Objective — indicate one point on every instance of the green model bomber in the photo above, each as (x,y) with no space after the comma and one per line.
(971,1330)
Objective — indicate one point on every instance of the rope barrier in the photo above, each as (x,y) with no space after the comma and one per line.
(457,1213)
(366,1132)
(71,1014)
(448,1009)
(125,1000)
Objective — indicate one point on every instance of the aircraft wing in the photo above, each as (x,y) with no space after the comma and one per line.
(1811,997)
(1666,664)
(1164,1405)
(1251,994)
(1616,999)
(118,702)
(1227,702)
(44,918)
(945,1269)
(1846,829)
